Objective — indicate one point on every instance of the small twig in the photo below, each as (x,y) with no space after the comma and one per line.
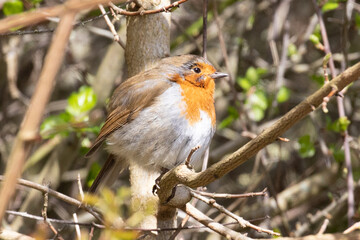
(341,110)
(146,12)
(188,159)
(355,226)
(91,234)
(81,192)
(111,27)
(77,228)
(208,222)
(205,12)
(58,195)
(46,202)
(227,195)
(243,223)
(323,227)
(282,139)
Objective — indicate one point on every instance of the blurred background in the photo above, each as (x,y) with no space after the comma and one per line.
(271,51)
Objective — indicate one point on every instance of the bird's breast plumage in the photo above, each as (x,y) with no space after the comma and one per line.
(164,133)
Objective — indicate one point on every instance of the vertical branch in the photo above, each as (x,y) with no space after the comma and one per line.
(30,125)
(205,11)
(341,110)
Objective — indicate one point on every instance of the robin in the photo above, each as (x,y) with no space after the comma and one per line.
(156,117)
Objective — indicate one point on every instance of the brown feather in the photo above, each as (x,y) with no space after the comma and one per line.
(127,102)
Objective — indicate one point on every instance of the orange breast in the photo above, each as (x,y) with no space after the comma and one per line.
(196,99)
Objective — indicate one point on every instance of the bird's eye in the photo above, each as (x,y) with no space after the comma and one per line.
(196,69)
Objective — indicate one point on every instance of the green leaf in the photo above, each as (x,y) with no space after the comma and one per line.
(13,7)
(314,39)
(344,122)
(339,125)
(53,125)
(79,103)
(330,6)
(307,148)
(283,95)
(35,2)
(259,99)
(256,113)
(233,115)
(337,153)
(244,83)
(292,50)
(252,75)
(357,19)
(318,78)
(93,172)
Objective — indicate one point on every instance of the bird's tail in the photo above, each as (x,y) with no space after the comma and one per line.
(108,173)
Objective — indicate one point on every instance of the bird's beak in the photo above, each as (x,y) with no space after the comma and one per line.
(217,75)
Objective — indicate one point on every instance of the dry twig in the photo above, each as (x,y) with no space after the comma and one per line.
(243,223)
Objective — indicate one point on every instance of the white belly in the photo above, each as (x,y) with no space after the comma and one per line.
(161,135)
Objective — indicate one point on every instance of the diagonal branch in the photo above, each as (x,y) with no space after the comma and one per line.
(183,175)
(42,14)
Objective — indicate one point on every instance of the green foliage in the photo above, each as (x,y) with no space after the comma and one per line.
(318,79)
(330,5)
(74,117)
(35,2)
(79,103)
(314,39)
(93,172)
(13,7)
(258,103)
(339,125)
(283,95)
(337,153)
(357,19)
(292,50)
(307,148)
(233,115)
(113,208)
(251,78)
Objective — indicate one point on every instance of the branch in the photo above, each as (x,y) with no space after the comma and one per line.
(58,195)
(42,14)
(183,175)
(146,12)
(208,222)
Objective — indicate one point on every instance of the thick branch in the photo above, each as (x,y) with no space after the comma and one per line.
(183,175)
(41,14)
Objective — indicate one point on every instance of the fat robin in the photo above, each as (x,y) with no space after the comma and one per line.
(156,117)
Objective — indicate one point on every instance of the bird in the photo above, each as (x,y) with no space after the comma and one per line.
(158,116)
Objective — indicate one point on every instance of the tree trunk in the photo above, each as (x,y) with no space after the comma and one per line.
(148,40)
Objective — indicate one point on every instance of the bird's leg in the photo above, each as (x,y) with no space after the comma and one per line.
(156,186)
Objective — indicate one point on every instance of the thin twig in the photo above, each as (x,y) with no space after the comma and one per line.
(42,14)
(355,226)
(81,192)
(323,227)
(188,159)
(205,12)
(341,110)
(77,228)
(146,12)
(243,223)
(208,222)
(111,27)
(58,195)
(229,196)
